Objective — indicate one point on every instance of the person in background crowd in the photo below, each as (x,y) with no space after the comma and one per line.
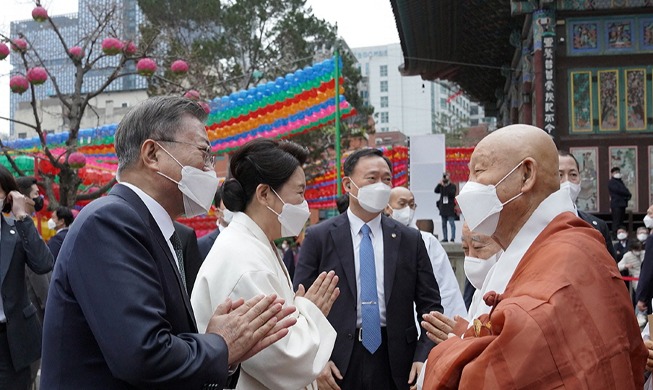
(644,291)
(632,261)
(554,283)
(118,314)
(265,189)
(401,208)
(60,221)
(205,243)
(642,234)
(384,271)
(481,254)
(622,244)
(619,197)
(446,204)
(569,172)
(21,247)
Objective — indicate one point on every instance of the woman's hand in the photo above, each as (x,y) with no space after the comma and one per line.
(323,292)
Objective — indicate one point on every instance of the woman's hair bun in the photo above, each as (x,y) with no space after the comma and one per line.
(233,195)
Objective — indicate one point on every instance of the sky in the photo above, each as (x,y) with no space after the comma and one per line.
(360,22)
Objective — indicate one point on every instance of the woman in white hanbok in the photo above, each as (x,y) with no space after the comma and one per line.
(265,191)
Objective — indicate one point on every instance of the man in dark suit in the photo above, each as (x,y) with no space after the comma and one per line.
(570,179)
(192,258)
(622,244)
(118,315)
(205,243)
(20,246)
(384,269)
(619,197)
(60,222)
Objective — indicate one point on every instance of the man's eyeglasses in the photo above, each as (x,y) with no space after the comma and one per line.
(209,159)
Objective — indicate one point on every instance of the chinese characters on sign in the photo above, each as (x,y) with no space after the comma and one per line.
(549,84)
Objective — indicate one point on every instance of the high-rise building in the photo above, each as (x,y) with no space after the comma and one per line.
(410,104)
(120,94)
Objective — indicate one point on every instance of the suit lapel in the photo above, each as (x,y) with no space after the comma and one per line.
(136,201)
(7,244)
(341,236)
(391,240)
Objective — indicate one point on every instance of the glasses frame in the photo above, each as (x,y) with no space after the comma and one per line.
(209,158)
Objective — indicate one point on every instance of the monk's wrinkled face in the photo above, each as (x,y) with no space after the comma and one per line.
(486,167)
(477,245)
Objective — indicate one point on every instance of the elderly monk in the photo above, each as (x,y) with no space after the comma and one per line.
(554,311)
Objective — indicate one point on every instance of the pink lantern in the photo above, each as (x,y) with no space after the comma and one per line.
(76,52)
(146,67)
(112,46)
(77,160)
(179,67)
(37,75)
(205,106)
(4,51)
(39,14)
(18,84)
(19,44)
(130,48)
(192,95)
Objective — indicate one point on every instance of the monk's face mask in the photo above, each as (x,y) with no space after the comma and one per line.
(481,205)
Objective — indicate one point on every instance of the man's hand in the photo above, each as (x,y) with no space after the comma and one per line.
(326,378)
(437,326)
(249,327)
(641,306)
(649,361)
(323,292)
(414,373)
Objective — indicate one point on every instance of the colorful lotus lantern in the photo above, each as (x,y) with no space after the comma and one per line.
(18,84)
(19,44)
(192,95)
(130,49)
(179,67)
(4,51)
(39,14)
(146,67)
(77,160)
(37,75)
(112,46)
(76,52)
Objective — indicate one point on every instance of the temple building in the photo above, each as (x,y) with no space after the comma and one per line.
(580,69)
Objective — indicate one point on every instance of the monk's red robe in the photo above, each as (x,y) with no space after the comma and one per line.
(564,321)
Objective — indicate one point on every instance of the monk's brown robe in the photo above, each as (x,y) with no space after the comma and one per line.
(564,321)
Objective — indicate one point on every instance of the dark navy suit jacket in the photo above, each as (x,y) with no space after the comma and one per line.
(205,243)
(54,243)
(21,245)
(117,315)
(408,279)
(602,227)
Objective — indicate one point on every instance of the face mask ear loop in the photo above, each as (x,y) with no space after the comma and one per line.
(275,192)
(173,157)
(509,173)
(168,177)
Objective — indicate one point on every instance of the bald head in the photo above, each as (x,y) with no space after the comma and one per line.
(400,197)
(528,150)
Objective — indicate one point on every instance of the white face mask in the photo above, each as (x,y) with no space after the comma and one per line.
(476,269)
(197,186)
(622,236)
(373,197)
(293,217)
(481,206)
(617,175)
(51,224)
(642,237)
(648,221)
(572,188)
(403,216)
(227,216)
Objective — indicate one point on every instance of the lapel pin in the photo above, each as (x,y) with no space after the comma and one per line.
(394,235)
(12,231)
(594,222)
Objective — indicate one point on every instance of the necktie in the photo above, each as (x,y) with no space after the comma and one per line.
(176,244)
(371,319)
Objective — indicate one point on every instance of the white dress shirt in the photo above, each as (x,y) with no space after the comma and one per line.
(161,216)
(376,235)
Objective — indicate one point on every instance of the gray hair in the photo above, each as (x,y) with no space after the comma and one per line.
(156,118)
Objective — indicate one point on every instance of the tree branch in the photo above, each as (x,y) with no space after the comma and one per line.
(11,160)
(99,192)
(31,126)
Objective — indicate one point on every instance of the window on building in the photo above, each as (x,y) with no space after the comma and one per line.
(383,70)
(443,103)
(384,86)
(473,122)
(384,101)
(384,117)
(22,135)
(443,89)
